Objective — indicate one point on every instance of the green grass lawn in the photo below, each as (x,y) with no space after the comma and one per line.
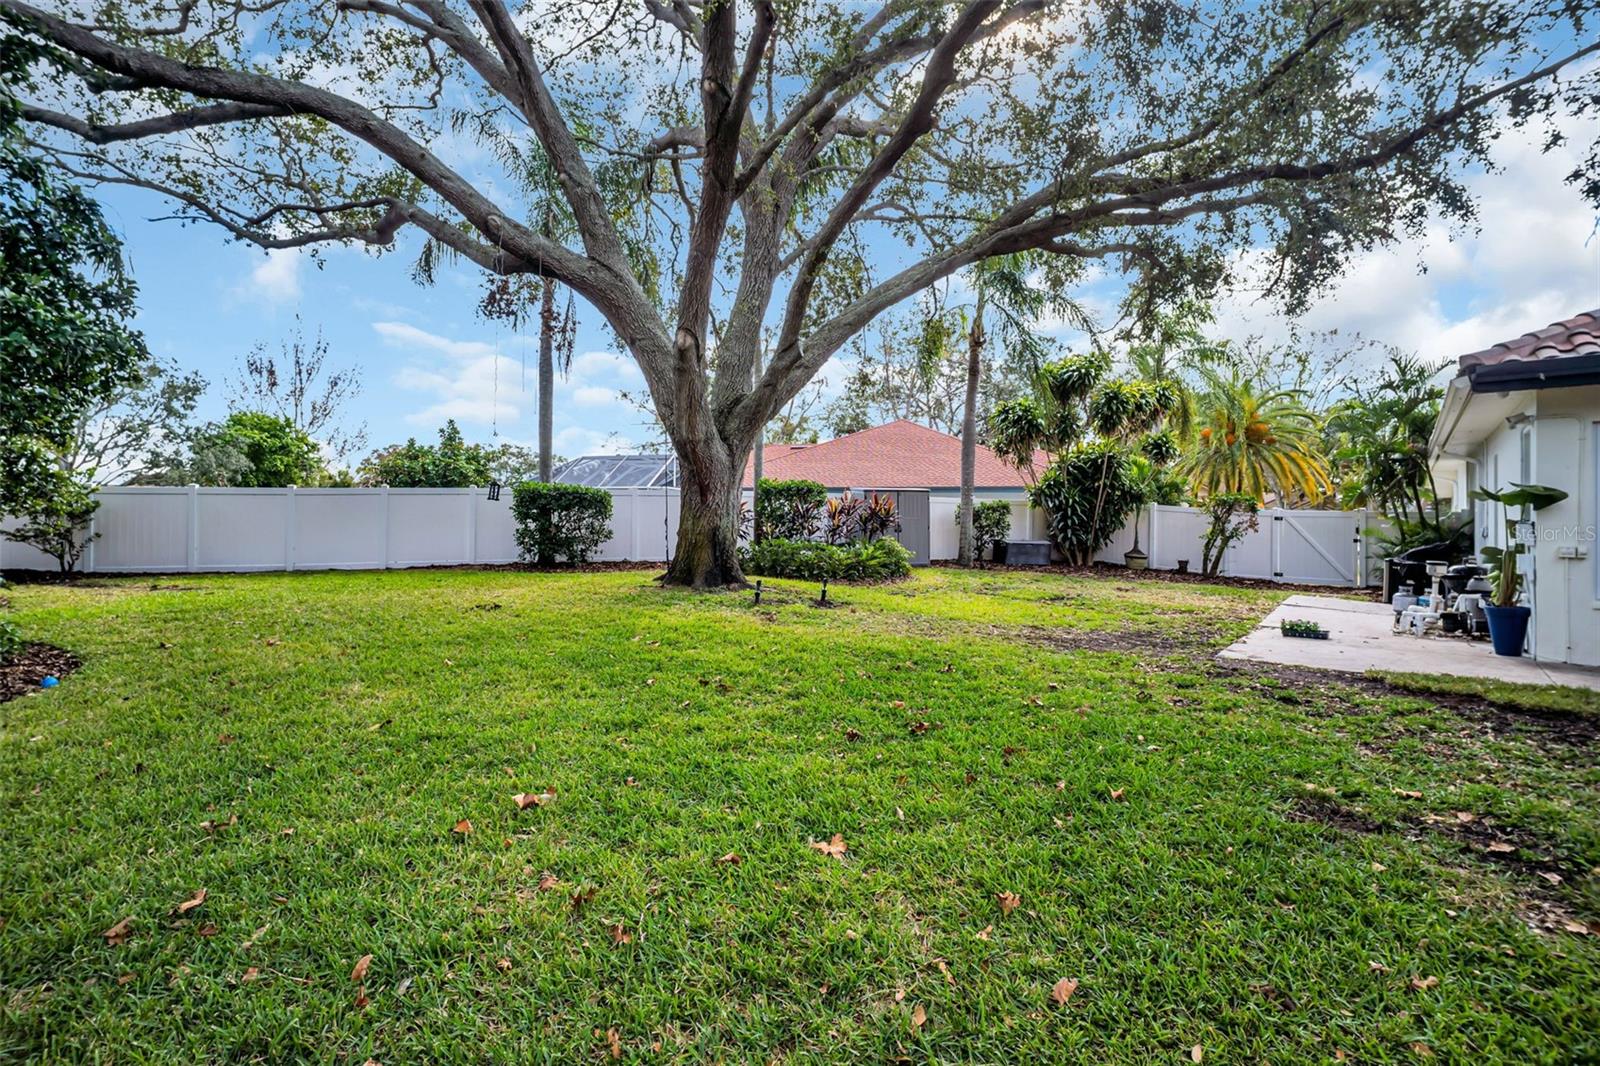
(1273,868)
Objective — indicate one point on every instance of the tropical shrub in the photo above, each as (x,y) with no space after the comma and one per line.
(560,521)
(840,524)
(877,518)
(789,510)
(1230,516)
(991,524)
(813,560)
(1087,425)
(1086,495)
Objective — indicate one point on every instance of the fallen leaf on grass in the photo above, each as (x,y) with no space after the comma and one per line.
(619,934)
(1554,879)
(919,1017)
(359,973)
(1421,1050)
(1009,901)
(1576,927)
(125,978)
(1197,1054)
(192,902)
(547,881)
(1422,984)
(1500,847)
(211,825)
(117,935)
(852,734)
(462,828)
(730,859)
(983,934)
(208,929)
(1377,967)
(835,847)
(898,705)
(1062,991)
(1407,793)
(583,896)
(503,965)
(1118,793)
(250,974)
(1465,817)
(524,800)
(614,1043)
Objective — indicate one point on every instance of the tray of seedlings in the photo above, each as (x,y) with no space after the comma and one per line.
(1299,627)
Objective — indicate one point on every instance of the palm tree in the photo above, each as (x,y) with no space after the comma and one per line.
(1254,442)
(1003,291)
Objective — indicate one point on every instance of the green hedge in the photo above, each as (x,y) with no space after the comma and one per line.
(789,510)
(560,521)
(814,560)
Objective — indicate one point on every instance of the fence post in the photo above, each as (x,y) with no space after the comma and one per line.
(634,554)
(192,555)
(472,525)
(88,564)
(388,558)
(288,529)
(1155,523)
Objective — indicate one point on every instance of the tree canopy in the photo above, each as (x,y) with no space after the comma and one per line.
(765,175)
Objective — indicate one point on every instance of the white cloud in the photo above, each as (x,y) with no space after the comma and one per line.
(1531,261)
(404,335)
(594,396)
(275,279)
(475,383)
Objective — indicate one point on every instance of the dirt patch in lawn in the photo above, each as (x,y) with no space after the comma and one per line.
(1321,690)
(22,672)
(1122,573)
(1322,810)
(1151,641)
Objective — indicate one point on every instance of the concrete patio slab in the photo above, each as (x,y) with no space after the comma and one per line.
(1360,639)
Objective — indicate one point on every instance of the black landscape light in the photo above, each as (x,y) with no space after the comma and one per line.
(758,592)
(494,490)
(824,597)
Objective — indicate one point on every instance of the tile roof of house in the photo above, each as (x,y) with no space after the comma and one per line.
(897,455)
(1578,335)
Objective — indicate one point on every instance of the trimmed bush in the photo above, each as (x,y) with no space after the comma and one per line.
(991,523)
(560,521)
(789,510)
(813,560)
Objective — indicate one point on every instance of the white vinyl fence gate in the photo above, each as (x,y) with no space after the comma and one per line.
(191,529)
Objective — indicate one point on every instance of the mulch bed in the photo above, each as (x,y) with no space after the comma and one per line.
(22,672)
(1123,573)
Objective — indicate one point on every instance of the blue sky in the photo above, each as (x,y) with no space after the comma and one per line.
(425,355)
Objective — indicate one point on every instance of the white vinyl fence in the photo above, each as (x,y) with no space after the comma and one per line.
(199,529)
(1302,547)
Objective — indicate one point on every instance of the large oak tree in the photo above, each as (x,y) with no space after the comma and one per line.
(753,177)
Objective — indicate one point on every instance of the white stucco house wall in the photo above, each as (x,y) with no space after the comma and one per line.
(1528,411)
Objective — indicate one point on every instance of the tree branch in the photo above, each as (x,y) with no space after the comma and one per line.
(177,122)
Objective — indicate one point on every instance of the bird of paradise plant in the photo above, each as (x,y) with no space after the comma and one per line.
(1254,441)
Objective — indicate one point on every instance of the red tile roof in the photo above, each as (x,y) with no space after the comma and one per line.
(898,455)
(1578,335)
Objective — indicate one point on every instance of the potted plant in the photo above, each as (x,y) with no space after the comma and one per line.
(1508,620)
(1145,483)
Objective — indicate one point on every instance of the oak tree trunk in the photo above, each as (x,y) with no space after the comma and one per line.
(707,551)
